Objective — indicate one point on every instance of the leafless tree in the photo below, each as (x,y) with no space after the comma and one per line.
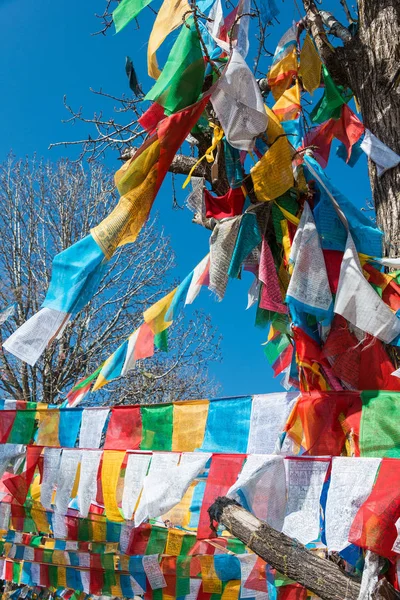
(44,208)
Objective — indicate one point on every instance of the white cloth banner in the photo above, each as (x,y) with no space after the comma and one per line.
(129,359)
(8,453)
(70,460)
(51,464)
(269,413)
(247,562)
(359,303)
(195,287)
(253,293)
(87,486)
(262,486)
(135,473)
(153,571)
(305,479)
(239,105)
(29,341)
(351,483)
(92,425)
(222,244)
(379,153)
(309,282)
(167,481)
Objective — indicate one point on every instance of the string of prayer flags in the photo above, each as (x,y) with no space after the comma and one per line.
(157,319)
(181,79)
(77,270)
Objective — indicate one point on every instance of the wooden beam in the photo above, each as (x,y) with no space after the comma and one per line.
(291,558)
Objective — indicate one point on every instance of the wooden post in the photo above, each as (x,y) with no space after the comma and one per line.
(291,558)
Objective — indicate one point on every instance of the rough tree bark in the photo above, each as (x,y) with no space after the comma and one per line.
(369,64)
(291,558)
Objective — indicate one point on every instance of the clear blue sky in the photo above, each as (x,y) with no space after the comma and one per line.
(47,51)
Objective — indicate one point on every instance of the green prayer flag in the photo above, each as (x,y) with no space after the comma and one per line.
(275,347)
(157,541)
(53,575)
(181,80)
(23,427)
(330,105)
(84,530)
(379,431)
(161,340)
(16,572)
(187,544)
(157,427)
(183,576)
(126,11)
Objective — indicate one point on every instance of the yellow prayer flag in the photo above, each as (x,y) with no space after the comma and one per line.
(189,425)
(274,128)
(99,530)
(169,17)
(110,471)
(49,421)
(61,577)
(288,106)
(211,583)
(310,66)
(281,74)
(273,175)
(123,224)
(155,315)
(232,590)
(174,542)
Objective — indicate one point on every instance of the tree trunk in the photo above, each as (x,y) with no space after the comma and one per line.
(374,79)
(369,65)
(292,559)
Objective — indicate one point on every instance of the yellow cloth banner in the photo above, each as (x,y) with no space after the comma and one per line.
(273,175)
(211,583)
(174,542)
(189,425)
(310,66)
(169,17)
(288,106)
(111,468)
(232,590)
(155,315)
(49,421)
(123,224)
(179,515)
(61,577)
(274,128)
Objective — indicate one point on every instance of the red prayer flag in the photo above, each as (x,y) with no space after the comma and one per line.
(220,207)
(144,347)
(223,473)
(6,423)
(374,526)
(18,485)
(124,430)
